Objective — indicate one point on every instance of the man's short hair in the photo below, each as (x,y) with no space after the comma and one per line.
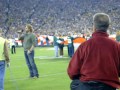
(101,21)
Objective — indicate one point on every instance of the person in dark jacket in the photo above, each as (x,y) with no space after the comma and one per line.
(96,63)
(70,45)
(47,41)
(60,42)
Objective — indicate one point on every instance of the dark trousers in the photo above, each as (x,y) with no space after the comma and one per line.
(90,85)
(61,51)
(70,51)
(47,42)
(13,49)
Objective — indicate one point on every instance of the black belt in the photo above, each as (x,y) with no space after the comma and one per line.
(94,83)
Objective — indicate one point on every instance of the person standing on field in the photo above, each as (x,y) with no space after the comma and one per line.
(70,45)
(96,63)
(29,44)
(118,36)
(55,44)
(60,42)
(13,46)
(4,59)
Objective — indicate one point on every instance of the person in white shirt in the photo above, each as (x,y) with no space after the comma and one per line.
(13,46)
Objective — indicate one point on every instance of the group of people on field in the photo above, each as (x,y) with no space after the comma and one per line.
(94,66)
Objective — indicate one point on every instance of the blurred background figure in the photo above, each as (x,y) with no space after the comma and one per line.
(60,42)
(55,44)
(13,46)
(47,40)
(118,36)
(70,45)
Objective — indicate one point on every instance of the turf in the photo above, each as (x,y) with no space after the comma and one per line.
(53,75)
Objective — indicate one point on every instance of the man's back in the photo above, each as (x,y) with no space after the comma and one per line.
(101,57)
(98,59)
(96,62)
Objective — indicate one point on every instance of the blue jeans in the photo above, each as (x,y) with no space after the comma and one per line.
(31,64)
(42,44)
(89,85)
(2,74)
(70,50)
(47,43)
(56,51)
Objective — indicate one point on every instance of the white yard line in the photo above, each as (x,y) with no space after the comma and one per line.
(38,64)
(40,57)
(49,57)
(43,76)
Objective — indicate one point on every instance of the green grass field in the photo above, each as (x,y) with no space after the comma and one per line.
(53,75)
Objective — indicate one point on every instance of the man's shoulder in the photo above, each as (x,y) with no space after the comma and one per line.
(87,42)
(106,40)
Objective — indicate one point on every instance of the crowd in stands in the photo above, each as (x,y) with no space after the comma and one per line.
(48,16)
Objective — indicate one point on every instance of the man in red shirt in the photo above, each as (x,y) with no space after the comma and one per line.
(96,63)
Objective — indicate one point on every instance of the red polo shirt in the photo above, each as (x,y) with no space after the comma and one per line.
(97,59)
